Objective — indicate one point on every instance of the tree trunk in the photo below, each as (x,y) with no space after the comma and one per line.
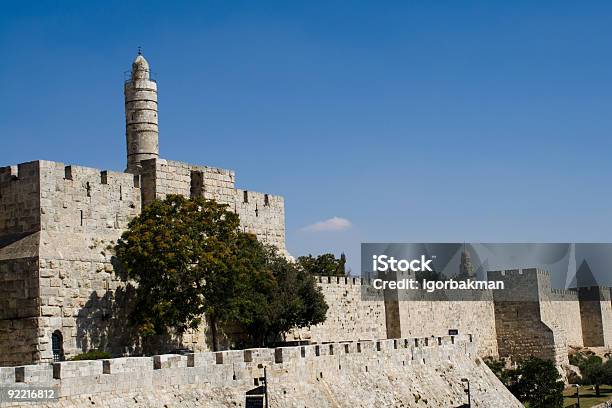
(213,332)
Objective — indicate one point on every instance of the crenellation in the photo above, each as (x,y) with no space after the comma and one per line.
(287,368)
(262,214)
(20,199)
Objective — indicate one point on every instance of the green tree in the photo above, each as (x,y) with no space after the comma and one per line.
(323,265)
(593,370)
(497,366)
(286,296)
(189,260)
(536,382)
(180,253)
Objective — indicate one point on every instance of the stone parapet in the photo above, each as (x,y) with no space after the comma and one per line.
(223,378)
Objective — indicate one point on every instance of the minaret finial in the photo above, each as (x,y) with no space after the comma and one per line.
(139,50)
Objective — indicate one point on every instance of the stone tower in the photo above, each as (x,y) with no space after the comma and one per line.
(141,130)
(466,270)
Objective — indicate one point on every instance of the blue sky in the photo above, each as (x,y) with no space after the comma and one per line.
(410,121)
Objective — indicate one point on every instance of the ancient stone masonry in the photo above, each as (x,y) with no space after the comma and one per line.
(260,213)
(141,129)
(596,316)
(19,241)
(408,372)
(350,315)
(533,319)
(58,225)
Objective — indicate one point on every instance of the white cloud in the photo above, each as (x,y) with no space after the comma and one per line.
(332,224)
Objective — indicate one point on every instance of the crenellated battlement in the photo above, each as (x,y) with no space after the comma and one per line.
(342,280)
(315,375)
(518,272)
(417,350)
(45,171)
(19,172)
(20,199)
(84,199)
(599,293)
(564,294)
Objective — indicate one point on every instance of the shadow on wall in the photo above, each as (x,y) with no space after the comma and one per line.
(104,324)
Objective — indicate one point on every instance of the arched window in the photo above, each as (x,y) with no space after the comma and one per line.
(57,345)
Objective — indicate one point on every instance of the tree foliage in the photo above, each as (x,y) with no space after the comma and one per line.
(286,296)
(323,265)
(189,259)
(534,381)
(594,371)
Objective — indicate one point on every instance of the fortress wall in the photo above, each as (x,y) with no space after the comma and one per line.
(84,211)
(350,316)
(19,311)
(86,200)
(596,316)
(551,318)
(81,298)
(427,318)
(19,199)
(525,320)
(260,213)
(426,314)
(18,288)
(19,241)
(566,307)
(263,215)
(401,372)
(173,177)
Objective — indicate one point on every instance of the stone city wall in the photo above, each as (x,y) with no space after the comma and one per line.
(401,372)
(596,316)
(84,211)
(19,311)
(19,240)
(566,307)
(72,286)
(260,213)
(77,199)
(19,200)
(427,318)
(526,323)
(350,317)
(416,312)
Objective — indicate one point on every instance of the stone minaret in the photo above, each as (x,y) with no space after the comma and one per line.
(466,270)
(140,115)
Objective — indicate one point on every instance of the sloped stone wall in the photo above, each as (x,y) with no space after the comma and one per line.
(401,372)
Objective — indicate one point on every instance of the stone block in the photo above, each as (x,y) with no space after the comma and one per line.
(169,361)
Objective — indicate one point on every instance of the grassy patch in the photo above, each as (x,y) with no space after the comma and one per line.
(587,396)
